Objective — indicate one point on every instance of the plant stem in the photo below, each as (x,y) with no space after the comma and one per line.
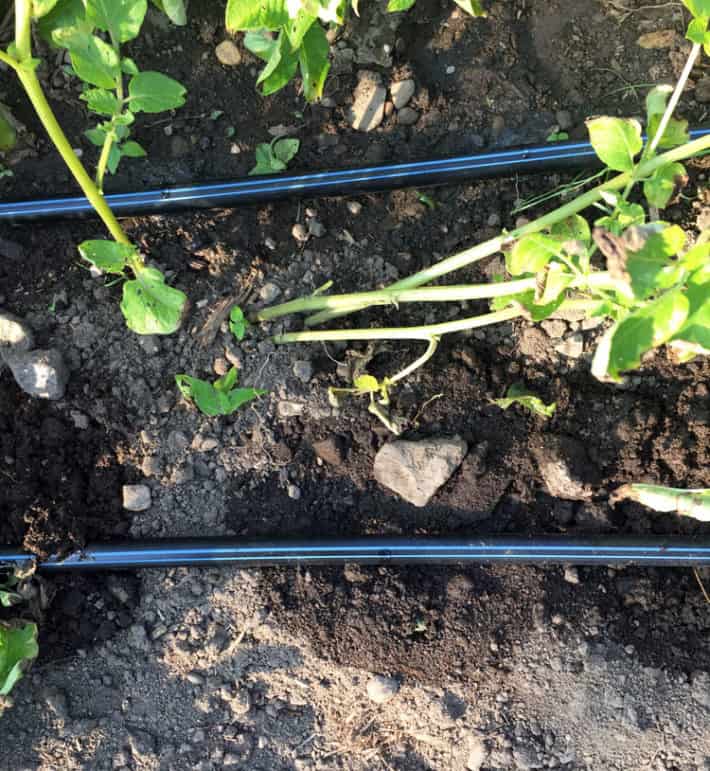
(487,248)
(456,293)
(23,34)
(675,98)
(426,332)
(423,359)
(111,134)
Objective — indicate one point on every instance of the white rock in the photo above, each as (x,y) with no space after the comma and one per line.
(269,292)
(477,756)
(39,373)
(136,497)
(14,333)
(416,470)
(571,574)
(354,207)
(368,109)
(381,689)
(402,92)
(228,53)
(303,370)
(288,409)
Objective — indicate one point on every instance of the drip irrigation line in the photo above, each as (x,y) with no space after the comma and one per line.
(205,552)
(553,156)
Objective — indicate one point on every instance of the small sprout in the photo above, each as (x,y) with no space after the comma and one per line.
(518,394)
(218,398)
(216,114)
(237,322)
(557,136)
(687,503)
(274,156)
(427,200)
(230,131)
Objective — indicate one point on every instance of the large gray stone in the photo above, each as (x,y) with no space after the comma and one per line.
(416,470)
(39,373)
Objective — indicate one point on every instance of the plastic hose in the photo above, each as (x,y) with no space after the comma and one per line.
(614,550)
(444,171)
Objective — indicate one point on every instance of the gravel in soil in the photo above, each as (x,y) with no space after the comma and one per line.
(490,667)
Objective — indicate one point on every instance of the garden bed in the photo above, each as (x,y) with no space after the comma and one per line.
(291,464)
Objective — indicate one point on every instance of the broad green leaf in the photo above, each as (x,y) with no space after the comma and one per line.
(531,253)
(260,43)
(314,63)
(556,280)
(108,256)
(664,184)
(8,599)
(122,19)
(212,401)
(132,150)
(617,141)
(526,300)
(266,161)
(65,14)
(114,158)
(96,136)
(41,8)
(697,31)
(696,329)
(280,68)
(366,384)
(697,256)
(174,10)
(150,306)
(626,215)
(18,647)
(472,7)
(93,60)
(128,66)
(297,27)
(228,381)
(657,100)
(574,228)
(675,134)
(238,323)
(243,15)
(101,101)
(518,394)
(647,328)
(395,6)
(154,92)
(698,8)
(285,149)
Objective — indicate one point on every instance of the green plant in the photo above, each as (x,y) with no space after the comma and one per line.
(93,31)
(654,290)
(218,398)
(18,648)
(274,156)
(288,36)
(688,503)
(238,323)
(519,394)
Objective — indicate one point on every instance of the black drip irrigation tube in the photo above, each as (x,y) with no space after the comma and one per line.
(373,550)
(549,157)
(605,550)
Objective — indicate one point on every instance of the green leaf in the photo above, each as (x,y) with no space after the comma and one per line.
(527,301)
(698,8)
(93,60)
(108,256)
(696,329)
(617,141)
(645,329)
(697,256)
(8,135)
(154,92)
(297,27)
(556,280)
(574,228)
(96,136)
(472,7)
(128,66)
(64,15)
(280,68)
(132,150)
(41,8)
(18,647)
(285,149)
(101,101)
(243,15)
(228,381)
(518,394)
(261,44)
(664,184)
(625,215)
(213,401)
(657,100)
(314,63)
(675,134)
(366,384)
(174,10)
(122,19)
(395,6)
(114,158)
(531,253)
(238,323)
(150,306)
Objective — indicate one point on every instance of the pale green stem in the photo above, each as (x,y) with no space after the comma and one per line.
(487,248)
(423,359)
(111,134)
(23,34)
(455,293)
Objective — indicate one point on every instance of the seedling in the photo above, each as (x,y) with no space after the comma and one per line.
(288,36)
(115,89)
(655,290)
(218,398)
(274,156)
(519,394)
(557,136)
(238,323)
(688,503)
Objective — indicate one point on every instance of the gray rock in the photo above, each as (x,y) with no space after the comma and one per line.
(565,468)
(381,689)
(407,116)
(416,470)
(564,119)
(303,370)
(316,228)
(14,333)
(288,409)
(136,497)
(554,327)
(330,450)
(368,109)
(269,292)
(41,373)
(402,92)
(300,232)
(572,346)
(228,53)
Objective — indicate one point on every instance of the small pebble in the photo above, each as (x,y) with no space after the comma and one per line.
(228,53)
(269,292)
(402,92)
(294,492)
(354,207)
(450,69)
(300,232)
(571,575)
(303,370)
(316,228)
(381,689)
(407,116)
(136,497)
